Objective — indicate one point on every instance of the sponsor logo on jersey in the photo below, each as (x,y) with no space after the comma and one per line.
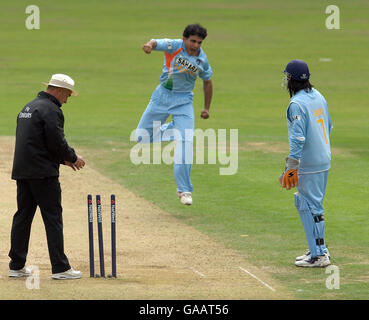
(186,64)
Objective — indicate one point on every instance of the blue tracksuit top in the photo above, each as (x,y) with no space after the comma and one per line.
(309,126)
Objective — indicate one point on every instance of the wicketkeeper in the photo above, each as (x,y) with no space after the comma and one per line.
(308,163)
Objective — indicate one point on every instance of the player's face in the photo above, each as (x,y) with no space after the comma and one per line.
(192,44)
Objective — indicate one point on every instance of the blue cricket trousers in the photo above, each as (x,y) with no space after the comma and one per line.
(179,105)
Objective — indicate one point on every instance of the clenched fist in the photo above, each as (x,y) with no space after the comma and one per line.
(205,114)
(149,46)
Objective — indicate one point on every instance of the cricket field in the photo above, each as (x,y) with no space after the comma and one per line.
(239,239)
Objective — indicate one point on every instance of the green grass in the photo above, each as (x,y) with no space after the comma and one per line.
(249,43)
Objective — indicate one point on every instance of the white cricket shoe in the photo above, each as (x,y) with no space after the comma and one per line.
(67,275)
(307,255)
(185,197)
(317,262)
(24,272)
(304,256)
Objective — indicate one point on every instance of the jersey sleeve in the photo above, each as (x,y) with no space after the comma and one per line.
(55,138)
(168,45)
(207,72)
(297,130)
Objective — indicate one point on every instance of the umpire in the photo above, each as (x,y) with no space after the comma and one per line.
(40,148)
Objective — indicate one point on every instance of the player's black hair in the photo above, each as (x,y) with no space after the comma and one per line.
(294,86)
(195,30)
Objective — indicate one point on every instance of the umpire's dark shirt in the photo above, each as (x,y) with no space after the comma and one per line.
(40,144)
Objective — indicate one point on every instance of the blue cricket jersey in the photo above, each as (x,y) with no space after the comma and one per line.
(309,126)
(180,70)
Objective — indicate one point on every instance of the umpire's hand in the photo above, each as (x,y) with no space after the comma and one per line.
(79,164)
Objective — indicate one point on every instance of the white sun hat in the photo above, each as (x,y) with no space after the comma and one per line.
(62,81)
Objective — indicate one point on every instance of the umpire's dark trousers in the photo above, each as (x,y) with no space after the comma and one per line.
(45,193)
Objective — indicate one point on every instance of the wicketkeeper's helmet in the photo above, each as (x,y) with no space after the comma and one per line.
(298,70)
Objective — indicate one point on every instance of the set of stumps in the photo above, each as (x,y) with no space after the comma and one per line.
(100,237)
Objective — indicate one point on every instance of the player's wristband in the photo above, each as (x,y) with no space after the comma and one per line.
(292,164)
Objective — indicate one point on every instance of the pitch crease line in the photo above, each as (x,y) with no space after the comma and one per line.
(198,272)
(255,277)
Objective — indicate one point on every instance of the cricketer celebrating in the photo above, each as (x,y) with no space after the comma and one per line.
(308,163)
(184,60)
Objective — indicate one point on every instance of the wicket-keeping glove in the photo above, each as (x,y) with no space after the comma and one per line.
(289,177)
